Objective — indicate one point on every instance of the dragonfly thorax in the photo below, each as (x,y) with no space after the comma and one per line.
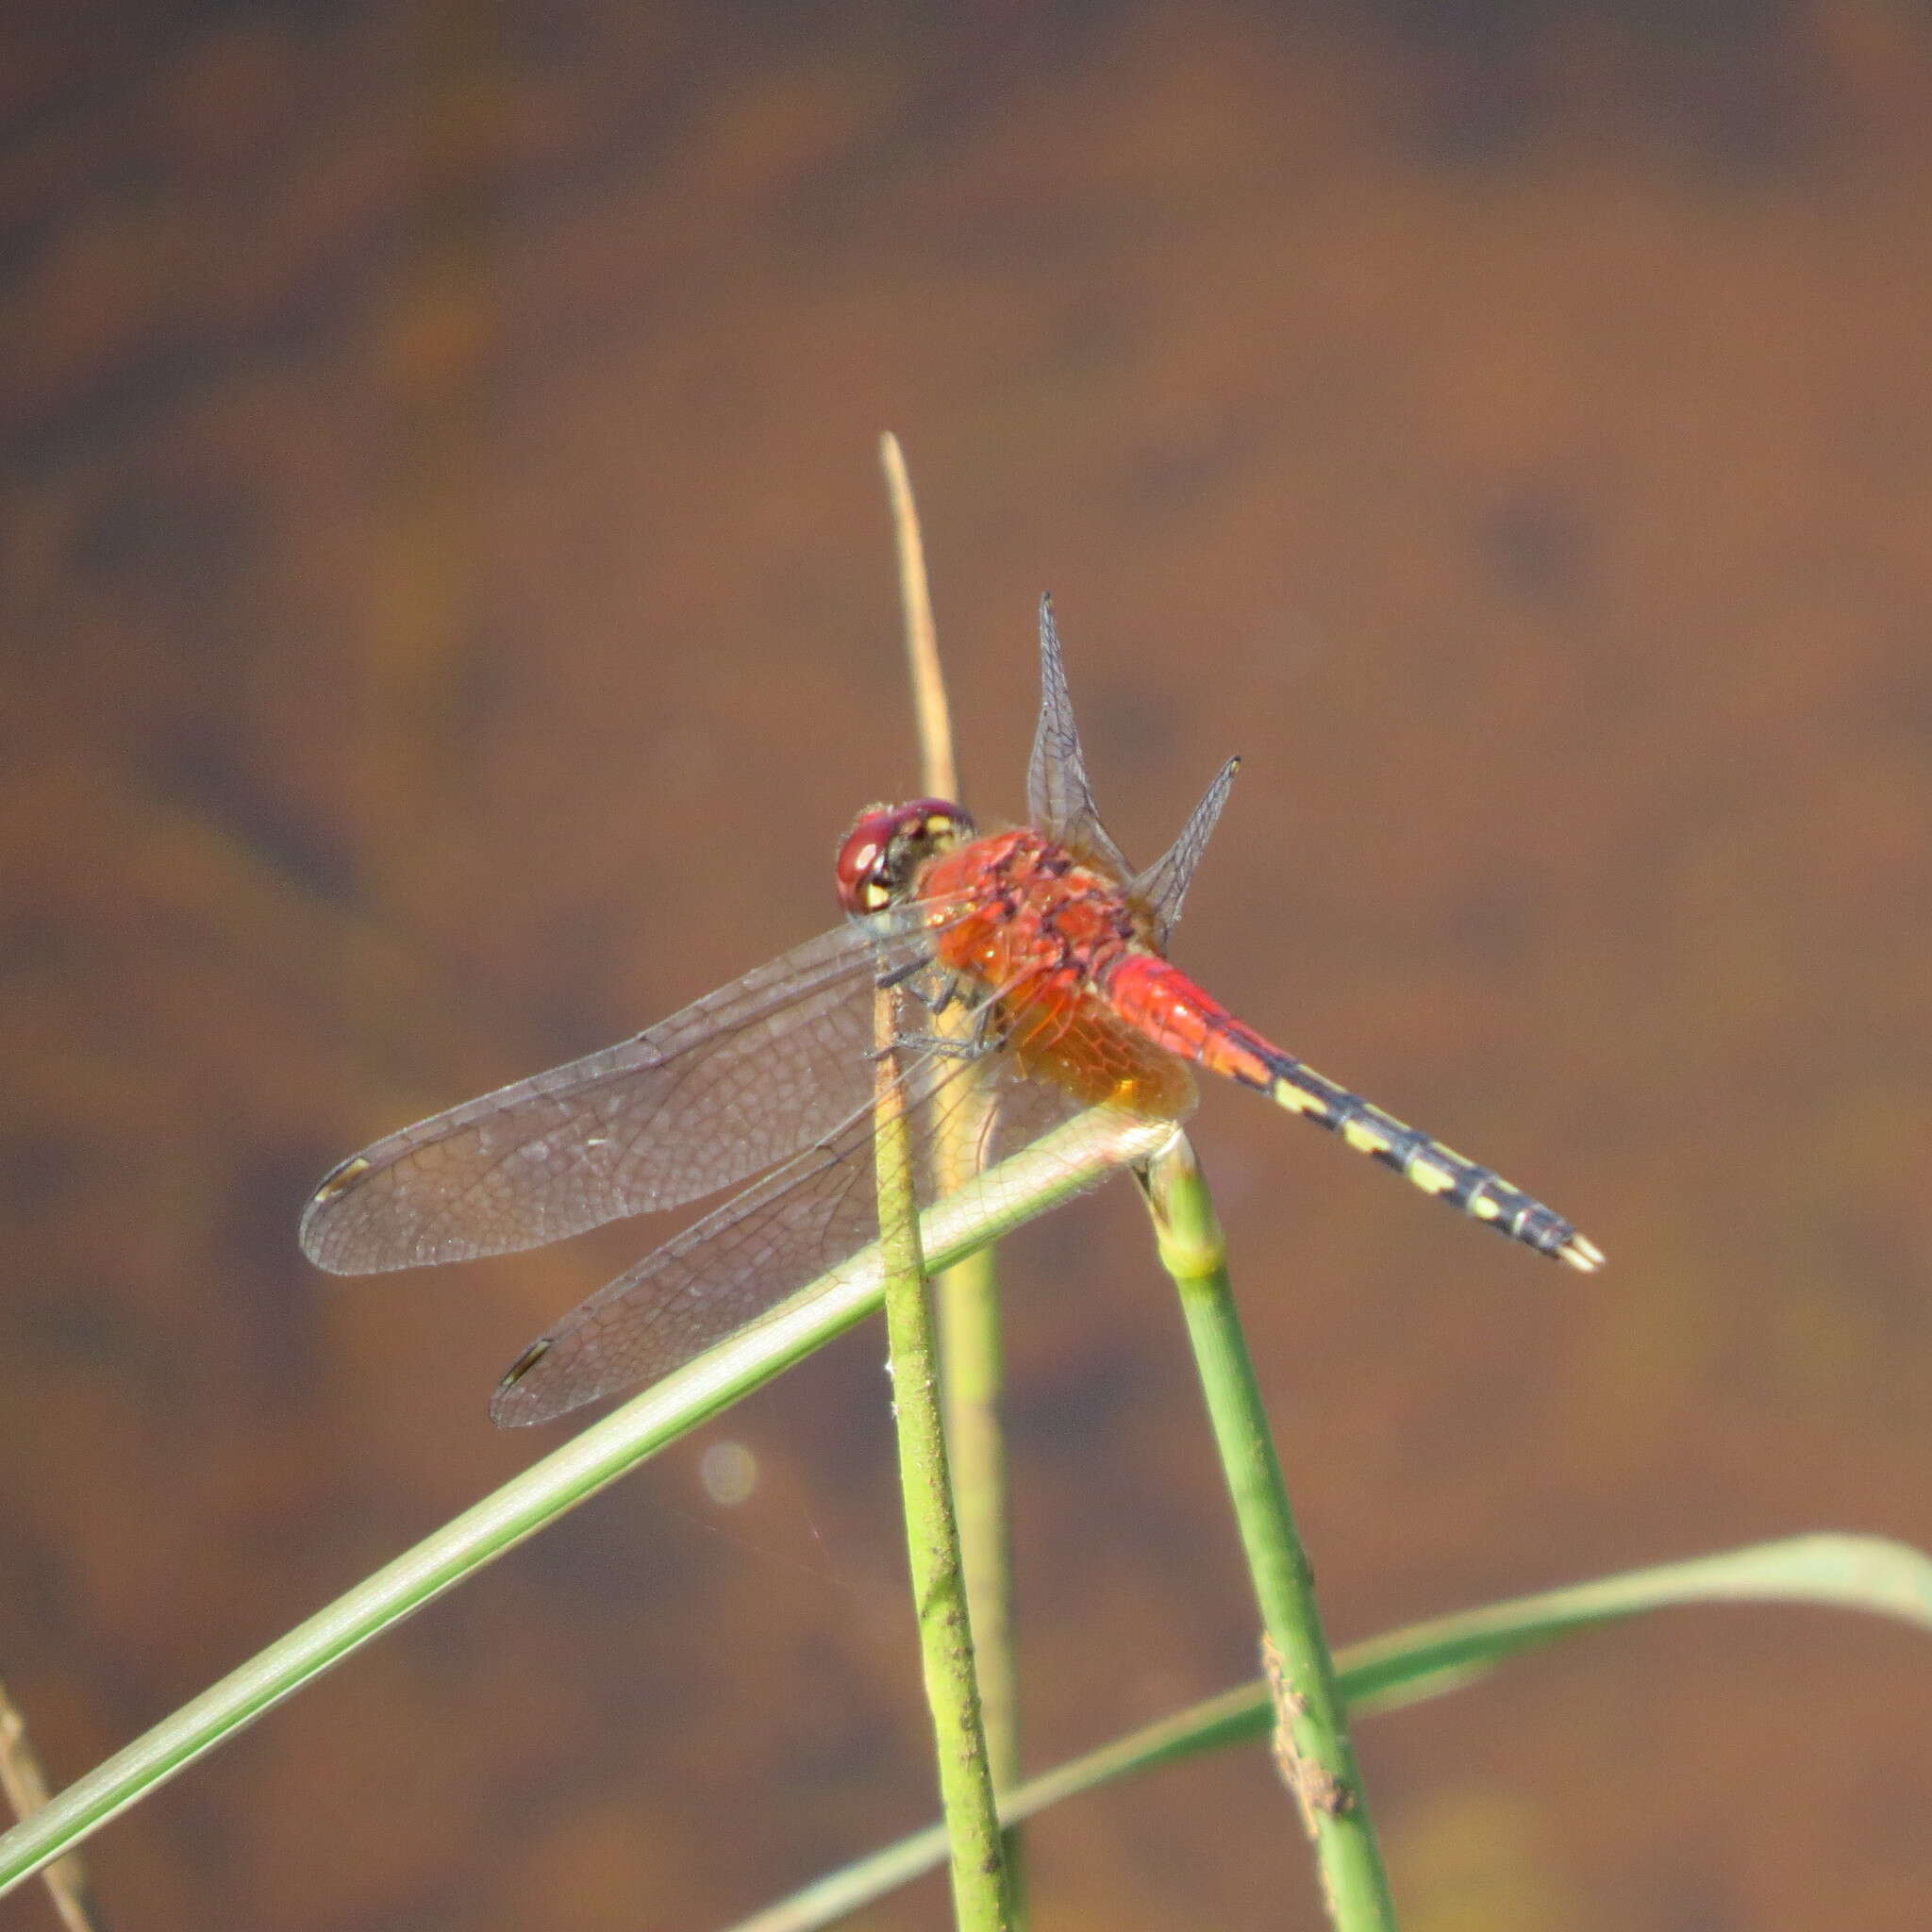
(1014,904)
(1040,934)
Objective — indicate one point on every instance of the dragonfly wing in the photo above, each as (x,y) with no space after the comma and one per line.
(735,1081)
(1057,794)
(1164,885)
(788,1228)
(719,1274)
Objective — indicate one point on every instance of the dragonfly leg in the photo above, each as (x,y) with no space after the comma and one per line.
(904,972)
(986,1036)
(984,1022)
(942,993)
(935,1044)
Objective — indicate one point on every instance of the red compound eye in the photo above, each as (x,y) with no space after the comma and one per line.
(887,846)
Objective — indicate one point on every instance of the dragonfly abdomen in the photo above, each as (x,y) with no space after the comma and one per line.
(1166,1006)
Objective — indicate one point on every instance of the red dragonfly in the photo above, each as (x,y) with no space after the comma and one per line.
(1045,942)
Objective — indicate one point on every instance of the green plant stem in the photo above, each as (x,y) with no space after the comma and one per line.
(932,1534)
(971,1362)
(971,1371)
(1312,1746)
(972,1358)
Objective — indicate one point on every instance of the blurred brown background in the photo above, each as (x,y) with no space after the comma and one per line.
(449,619)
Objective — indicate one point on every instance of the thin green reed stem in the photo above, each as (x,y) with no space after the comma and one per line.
(932,1536)
(972,1358)
(1312,1742)
(972,1363)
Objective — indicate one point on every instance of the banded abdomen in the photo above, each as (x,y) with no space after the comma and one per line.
(1163,1004)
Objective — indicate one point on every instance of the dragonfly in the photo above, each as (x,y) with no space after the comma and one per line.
(1031,966)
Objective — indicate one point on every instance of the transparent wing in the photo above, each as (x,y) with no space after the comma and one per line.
(1057,794)
(742,1259)
(1164,885)
(1061,802)
(736,1080)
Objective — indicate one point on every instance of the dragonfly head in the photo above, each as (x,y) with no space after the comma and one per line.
(888,844)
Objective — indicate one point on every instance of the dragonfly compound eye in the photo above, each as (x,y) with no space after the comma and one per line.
(887,846)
